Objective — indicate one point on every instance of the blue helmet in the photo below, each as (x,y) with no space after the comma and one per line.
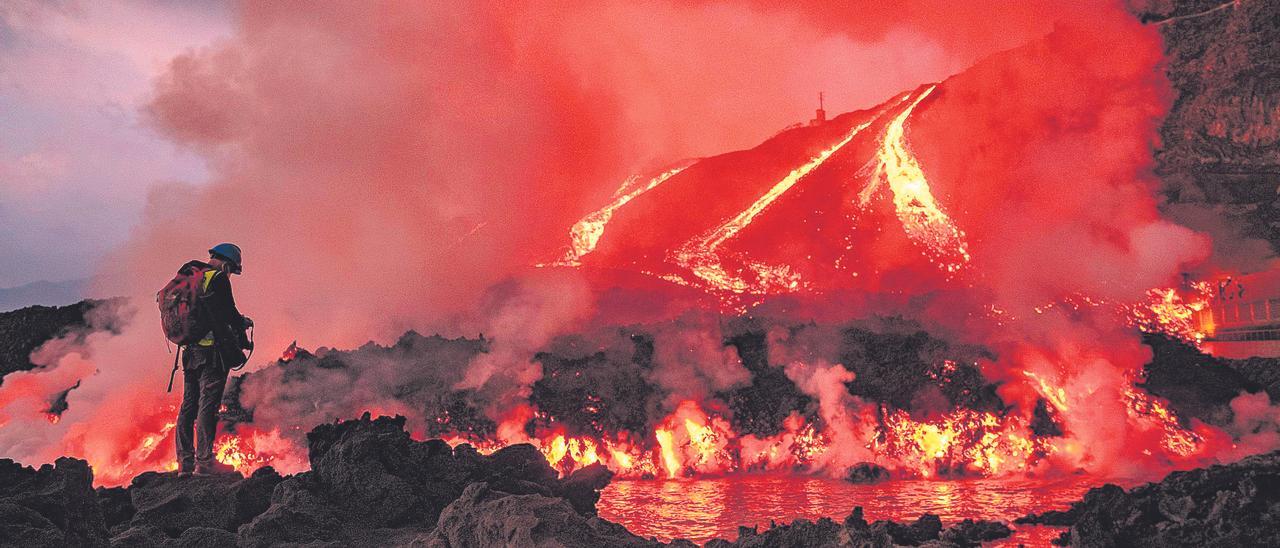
(230,253)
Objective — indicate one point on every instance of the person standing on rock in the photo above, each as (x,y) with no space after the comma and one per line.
(199,313)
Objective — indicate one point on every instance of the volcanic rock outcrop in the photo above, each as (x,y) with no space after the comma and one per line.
(595,392)
(866,472)
(1221,138)
(24,330)
(1198,385)
(1225,505)
(162,508)
(370,484)
(416,372)
(484,516)
(51,506)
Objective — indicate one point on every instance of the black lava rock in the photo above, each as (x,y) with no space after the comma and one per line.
(165,506)
(854,531)
(370,482)
(867,473)
(1226,505)
(54,505)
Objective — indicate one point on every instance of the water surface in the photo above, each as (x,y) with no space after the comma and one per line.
(706,508)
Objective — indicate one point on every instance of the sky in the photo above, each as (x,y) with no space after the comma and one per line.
(77,159)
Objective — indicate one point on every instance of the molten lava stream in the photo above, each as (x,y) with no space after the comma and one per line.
(699,255)
(921,215)
(586,233)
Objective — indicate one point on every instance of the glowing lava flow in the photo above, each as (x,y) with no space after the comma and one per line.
(1055,395)
(150,443)
(666,445)
(693,442)
(586,233)
(236,452)
(1164,310)
(921,217)
(248,449)
(699,254)
(702,262)
(118,462)
(961,441)
(1175,439)
(1172,313)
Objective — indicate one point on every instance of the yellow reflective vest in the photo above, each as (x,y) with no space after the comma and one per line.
(204,288)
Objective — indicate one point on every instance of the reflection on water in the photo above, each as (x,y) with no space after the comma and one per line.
(703,509)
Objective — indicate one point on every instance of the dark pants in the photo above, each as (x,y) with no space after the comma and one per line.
(203,380)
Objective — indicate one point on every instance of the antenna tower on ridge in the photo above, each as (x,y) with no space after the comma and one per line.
(821,115)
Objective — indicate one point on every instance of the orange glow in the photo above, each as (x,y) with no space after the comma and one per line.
(237,452)
(557,450)
(691,441)
(963,441)
(624,460)
(667,445)
(702,440)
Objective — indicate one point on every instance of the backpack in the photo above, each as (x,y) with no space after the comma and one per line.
(182,313)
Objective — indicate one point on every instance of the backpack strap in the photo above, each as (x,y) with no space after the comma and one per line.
(175,368)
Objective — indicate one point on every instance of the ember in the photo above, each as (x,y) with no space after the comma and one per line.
(289,353)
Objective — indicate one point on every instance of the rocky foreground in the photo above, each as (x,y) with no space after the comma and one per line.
(855,531)
(371,485)
(1231,505)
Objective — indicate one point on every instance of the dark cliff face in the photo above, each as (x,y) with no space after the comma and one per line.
(24,330)
(1221,139)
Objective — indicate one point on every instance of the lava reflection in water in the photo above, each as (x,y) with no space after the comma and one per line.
(702,509)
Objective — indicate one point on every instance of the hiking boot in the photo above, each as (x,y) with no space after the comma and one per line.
(213,468)
(185,469)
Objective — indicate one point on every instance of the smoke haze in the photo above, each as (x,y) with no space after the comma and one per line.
(401,167)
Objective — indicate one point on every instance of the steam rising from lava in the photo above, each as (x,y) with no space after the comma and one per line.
(402,167)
